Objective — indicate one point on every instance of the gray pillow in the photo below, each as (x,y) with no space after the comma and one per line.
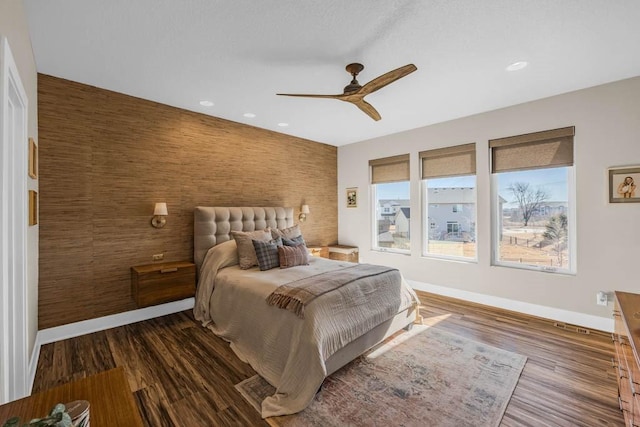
(293,242)
(267,253)
(246,253)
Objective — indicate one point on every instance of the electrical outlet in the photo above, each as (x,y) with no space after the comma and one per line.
(158,257)
(602,298)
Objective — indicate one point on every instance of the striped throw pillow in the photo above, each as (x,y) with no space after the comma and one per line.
(290,256)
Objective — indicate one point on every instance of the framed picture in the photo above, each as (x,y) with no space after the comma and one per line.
(33,207)
(33,159)
(623,185)
(352,197)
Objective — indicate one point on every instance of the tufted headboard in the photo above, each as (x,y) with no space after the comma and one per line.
(212,226)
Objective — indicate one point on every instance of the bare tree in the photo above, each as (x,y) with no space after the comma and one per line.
(528,199)
(556,232)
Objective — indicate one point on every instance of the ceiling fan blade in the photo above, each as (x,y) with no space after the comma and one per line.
(302,95)
(385,79)
(367,108)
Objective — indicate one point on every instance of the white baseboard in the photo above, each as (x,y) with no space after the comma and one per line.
(58,333)
(33,365)
(565,316)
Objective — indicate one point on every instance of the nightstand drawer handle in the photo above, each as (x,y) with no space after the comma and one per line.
(168,270)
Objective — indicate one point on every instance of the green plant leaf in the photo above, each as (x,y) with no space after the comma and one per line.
(57,418)
(11,422)
(58,409)
(65,421)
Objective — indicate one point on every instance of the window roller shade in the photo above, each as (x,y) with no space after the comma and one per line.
(552,148)
(449,161)
(390,169)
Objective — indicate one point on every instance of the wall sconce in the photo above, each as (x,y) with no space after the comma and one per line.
(159,213)
(304,211)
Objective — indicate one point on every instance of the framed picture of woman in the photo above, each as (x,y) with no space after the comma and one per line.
(623,185)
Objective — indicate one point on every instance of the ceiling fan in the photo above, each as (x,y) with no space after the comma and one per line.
(355,93)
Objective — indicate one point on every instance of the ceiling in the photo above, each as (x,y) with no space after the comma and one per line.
(240,53)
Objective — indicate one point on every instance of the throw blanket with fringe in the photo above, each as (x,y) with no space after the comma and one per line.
(294,296)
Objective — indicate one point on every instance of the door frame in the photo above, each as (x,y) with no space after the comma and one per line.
(13,228)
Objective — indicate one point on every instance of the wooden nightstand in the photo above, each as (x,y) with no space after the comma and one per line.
(157,283)
(343,253)
(319,251)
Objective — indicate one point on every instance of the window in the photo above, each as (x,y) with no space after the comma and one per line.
(533,196)
(449,197)
(391,202)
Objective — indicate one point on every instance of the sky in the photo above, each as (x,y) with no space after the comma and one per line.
(552,180)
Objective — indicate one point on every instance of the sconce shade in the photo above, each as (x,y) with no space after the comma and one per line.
(160,209)
(159,214)
(304,210)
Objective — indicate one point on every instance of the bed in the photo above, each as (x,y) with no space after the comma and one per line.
(292,352)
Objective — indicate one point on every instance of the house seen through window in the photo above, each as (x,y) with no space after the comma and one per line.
(449,194)
(391,203)
(393,216)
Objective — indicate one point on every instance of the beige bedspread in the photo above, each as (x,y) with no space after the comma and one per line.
(287,351)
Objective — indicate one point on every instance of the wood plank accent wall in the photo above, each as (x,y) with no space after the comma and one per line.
(107,158)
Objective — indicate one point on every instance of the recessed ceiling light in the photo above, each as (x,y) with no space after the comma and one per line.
(206,103)
(283,125)
(517,66)
(249,115)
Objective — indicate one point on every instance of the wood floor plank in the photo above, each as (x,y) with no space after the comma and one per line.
(182,374)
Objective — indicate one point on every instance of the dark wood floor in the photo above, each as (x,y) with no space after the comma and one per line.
(182,375)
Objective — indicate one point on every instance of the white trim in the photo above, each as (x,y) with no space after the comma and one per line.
(573,219)
(4,244)
(373,214)
(13,228)
(33,365)
(71,330)
(566,316)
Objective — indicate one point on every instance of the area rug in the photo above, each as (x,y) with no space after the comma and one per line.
(425,377)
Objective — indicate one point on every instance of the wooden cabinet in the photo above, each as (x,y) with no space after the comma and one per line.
(626,339)
(343,253)
(158,283)
(336,252)
(319,251)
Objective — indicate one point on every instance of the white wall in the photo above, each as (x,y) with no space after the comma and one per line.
(13,25)
(607,121)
